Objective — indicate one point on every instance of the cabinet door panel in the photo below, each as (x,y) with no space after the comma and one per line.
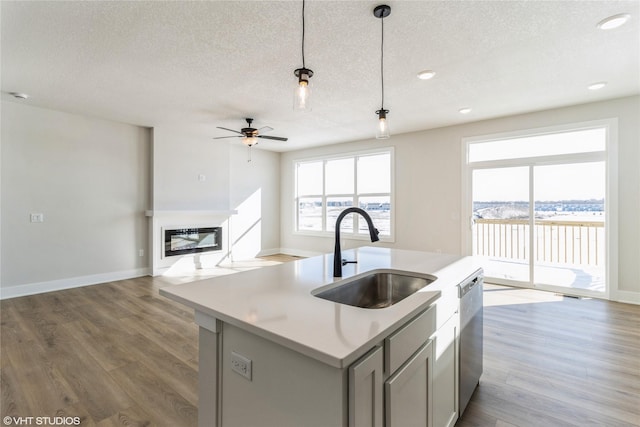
(209,378)
(407,392)
(365,390)
(445,374)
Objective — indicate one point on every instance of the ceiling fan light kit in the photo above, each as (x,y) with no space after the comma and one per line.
(249,140)
(302,91)
(382,131)
(250,135)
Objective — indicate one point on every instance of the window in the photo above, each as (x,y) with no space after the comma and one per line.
(325,187)
(549,144)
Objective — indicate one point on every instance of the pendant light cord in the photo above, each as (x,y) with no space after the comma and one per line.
(381,62)
(303,64)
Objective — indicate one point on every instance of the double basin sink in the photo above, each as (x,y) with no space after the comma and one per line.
(376,289)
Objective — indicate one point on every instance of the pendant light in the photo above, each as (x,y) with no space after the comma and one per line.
(382,131)
(302,90)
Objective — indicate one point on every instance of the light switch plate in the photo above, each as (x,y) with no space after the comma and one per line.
(37,217)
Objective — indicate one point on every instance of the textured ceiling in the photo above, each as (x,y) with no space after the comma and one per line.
(198,65)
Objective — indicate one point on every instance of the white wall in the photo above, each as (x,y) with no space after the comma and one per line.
(429,190)
(89,177)
(255,194)
(94,179)
(179,159)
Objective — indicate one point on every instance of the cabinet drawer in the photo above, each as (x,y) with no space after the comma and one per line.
(400,345)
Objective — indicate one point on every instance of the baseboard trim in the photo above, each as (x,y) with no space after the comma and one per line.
(71,282)
(267,252)
(299,252)
(626,297)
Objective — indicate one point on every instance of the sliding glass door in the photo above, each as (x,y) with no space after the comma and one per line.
(501,221)
(538,211)
(569,244)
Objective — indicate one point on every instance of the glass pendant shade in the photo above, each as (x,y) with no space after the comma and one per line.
(302,91)
(249,141)
(382,132)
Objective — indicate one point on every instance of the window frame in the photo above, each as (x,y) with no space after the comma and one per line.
(355,195)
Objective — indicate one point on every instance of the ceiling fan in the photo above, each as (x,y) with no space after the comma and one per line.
(250,135)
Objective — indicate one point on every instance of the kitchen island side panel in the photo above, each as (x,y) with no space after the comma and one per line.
(285,388)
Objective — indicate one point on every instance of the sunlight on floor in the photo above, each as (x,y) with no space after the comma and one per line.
(495,295)
(185,272)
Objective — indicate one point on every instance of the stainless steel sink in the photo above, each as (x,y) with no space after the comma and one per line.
(375,290)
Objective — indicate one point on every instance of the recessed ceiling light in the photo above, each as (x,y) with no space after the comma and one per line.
(19,95)
(614,21)
(426,74)
(597,85)
(465,110)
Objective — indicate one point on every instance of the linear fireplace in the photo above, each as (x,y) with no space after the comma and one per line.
(192,240)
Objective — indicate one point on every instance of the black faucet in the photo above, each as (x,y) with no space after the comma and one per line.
(338,262)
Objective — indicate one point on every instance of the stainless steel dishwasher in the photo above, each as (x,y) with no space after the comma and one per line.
(470,293)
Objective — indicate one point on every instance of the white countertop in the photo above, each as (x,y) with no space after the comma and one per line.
(275,302)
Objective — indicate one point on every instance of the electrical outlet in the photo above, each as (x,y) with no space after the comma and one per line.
(241,365)
(141,252)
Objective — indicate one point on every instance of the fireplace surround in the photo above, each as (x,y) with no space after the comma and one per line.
(161,220)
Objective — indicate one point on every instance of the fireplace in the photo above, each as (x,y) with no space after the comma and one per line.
(183,241)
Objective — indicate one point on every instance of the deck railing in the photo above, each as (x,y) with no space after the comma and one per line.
(561,242)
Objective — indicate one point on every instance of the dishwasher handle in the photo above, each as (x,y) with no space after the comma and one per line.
(466,287)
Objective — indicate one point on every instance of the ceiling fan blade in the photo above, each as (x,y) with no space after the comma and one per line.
(230,130)
(265,129)
(277,138)
(233,136)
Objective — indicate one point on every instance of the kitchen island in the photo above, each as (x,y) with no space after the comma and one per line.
(272,353)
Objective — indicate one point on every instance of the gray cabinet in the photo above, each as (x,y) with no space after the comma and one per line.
(408,378)
(445,373)
(408,392)
(403,390)
(365,390)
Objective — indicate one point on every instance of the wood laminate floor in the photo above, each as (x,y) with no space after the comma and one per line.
(118,354)
(558,361)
